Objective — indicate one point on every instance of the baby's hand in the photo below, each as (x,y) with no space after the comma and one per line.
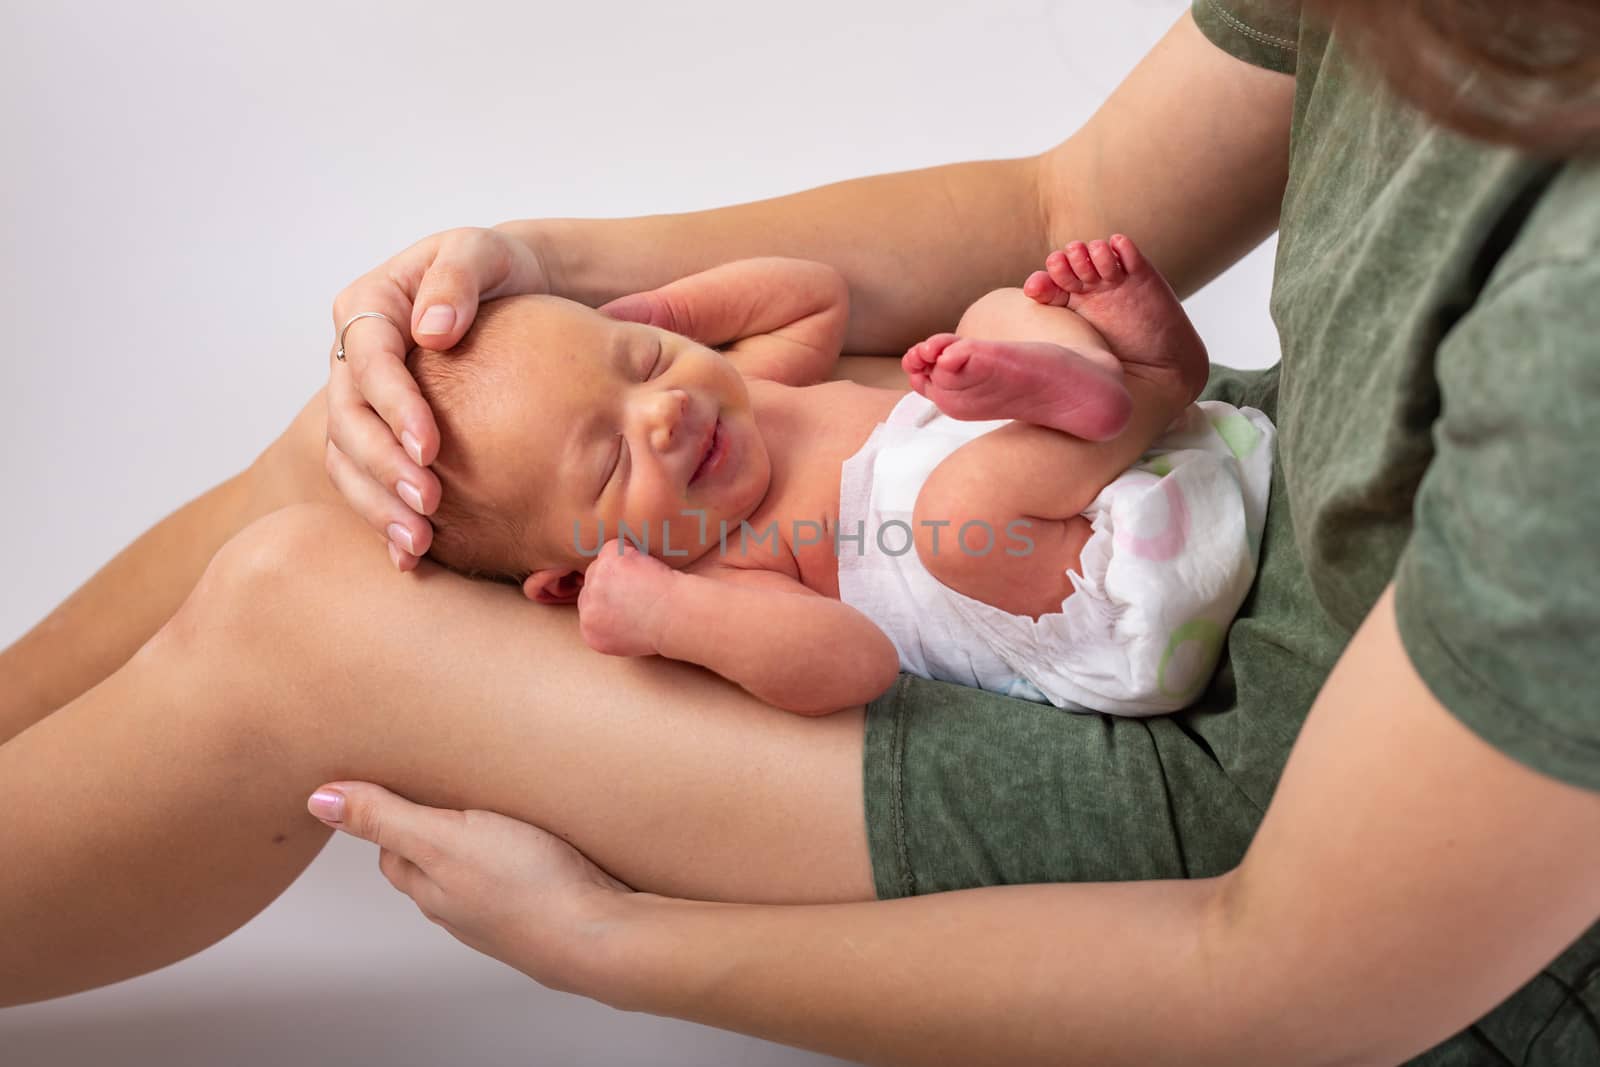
(621,605)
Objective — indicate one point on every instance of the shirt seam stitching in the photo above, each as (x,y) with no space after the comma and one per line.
(1253,33)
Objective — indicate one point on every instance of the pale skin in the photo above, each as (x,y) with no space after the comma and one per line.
(726,465)
(166,827)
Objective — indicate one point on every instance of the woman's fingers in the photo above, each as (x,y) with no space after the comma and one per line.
(504,887)
(374,371)
(400,872)
(361,433)
(413,832)
(713,306)
(382,507)
(430,293)
(467,266)
(645,307)
(463,268)
(384,512)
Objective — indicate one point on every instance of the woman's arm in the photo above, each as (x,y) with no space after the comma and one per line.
(1189,156)
(1406,879)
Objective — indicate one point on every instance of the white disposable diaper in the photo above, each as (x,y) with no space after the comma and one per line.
(1173,553)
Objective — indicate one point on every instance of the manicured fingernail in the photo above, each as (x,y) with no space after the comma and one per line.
(394,553)
(437,319)
(410,495)
(327,804)
(402,537)
(412,446)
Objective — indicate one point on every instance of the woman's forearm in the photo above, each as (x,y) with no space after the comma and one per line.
(1056,974)
(916,247)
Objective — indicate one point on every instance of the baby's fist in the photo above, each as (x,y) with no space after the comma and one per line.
(621,605)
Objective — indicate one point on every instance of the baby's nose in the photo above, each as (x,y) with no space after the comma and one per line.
(666,416)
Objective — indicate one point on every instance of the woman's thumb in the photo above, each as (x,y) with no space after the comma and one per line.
(370,812)
(435,327)
(643,307)
(445,304)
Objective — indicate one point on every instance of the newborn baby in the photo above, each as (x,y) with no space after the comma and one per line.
(718,501)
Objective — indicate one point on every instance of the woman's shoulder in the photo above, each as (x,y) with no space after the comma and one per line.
(1497,594)
(1265,33)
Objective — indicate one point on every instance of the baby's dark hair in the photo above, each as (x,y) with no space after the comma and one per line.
(472,535)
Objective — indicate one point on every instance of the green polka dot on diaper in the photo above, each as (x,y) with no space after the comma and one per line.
(1160,466)
(1190,655)
(1238,432)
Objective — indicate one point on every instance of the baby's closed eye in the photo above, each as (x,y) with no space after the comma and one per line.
(654,363)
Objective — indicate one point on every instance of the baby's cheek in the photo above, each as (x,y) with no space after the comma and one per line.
(584,535)
(673,523)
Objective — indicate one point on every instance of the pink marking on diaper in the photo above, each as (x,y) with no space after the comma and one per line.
(1169,542)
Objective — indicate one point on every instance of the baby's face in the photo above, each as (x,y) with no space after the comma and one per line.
(599,422)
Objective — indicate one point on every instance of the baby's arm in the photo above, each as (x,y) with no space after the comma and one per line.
(776,318)
(762,629)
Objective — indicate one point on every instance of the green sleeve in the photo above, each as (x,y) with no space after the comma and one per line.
(1498,589)
(1264,33)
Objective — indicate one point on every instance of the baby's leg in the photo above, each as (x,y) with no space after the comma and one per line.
(1112,286)
(1108,308)
(96,629)
(1031,472)
(165,807)
(1062,375)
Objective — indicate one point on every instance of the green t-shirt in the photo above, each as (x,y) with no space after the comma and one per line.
(1438,306)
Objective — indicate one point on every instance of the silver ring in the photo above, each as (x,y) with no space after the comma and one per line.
(339,355)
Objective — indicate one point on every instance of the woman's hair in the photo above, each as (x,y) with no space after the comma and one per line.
(1517,72)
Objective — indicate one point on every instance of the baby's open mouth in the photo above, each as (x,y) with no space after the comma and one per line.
(716,449)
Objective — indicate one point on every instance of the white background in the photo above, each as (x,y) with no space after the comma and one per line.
(189,184)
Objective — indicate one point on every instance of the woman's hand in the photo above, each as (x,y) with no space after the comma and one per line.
(503,887)
(381,434)
(776,317)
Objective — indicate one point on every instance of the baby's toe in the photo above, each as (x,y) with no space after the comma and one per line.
(1128,253)
(1043,289)
(1105,262)
(953,356)
(1082,265)
(1061,273)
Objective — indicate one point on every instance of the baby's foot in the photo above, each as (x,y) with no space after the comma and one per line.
(1034,381)
(1119,293)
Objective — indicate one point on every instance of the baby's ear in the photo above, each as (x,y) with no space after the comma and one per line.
(553,586)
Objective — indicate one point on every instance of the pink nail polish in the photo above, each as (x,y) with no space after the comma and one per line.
(327,804)
(437,319)
(402,537)
(411,495)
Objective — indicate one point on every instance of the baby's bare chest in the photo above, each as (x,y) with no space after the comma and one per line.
(796,528)
(794,532)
